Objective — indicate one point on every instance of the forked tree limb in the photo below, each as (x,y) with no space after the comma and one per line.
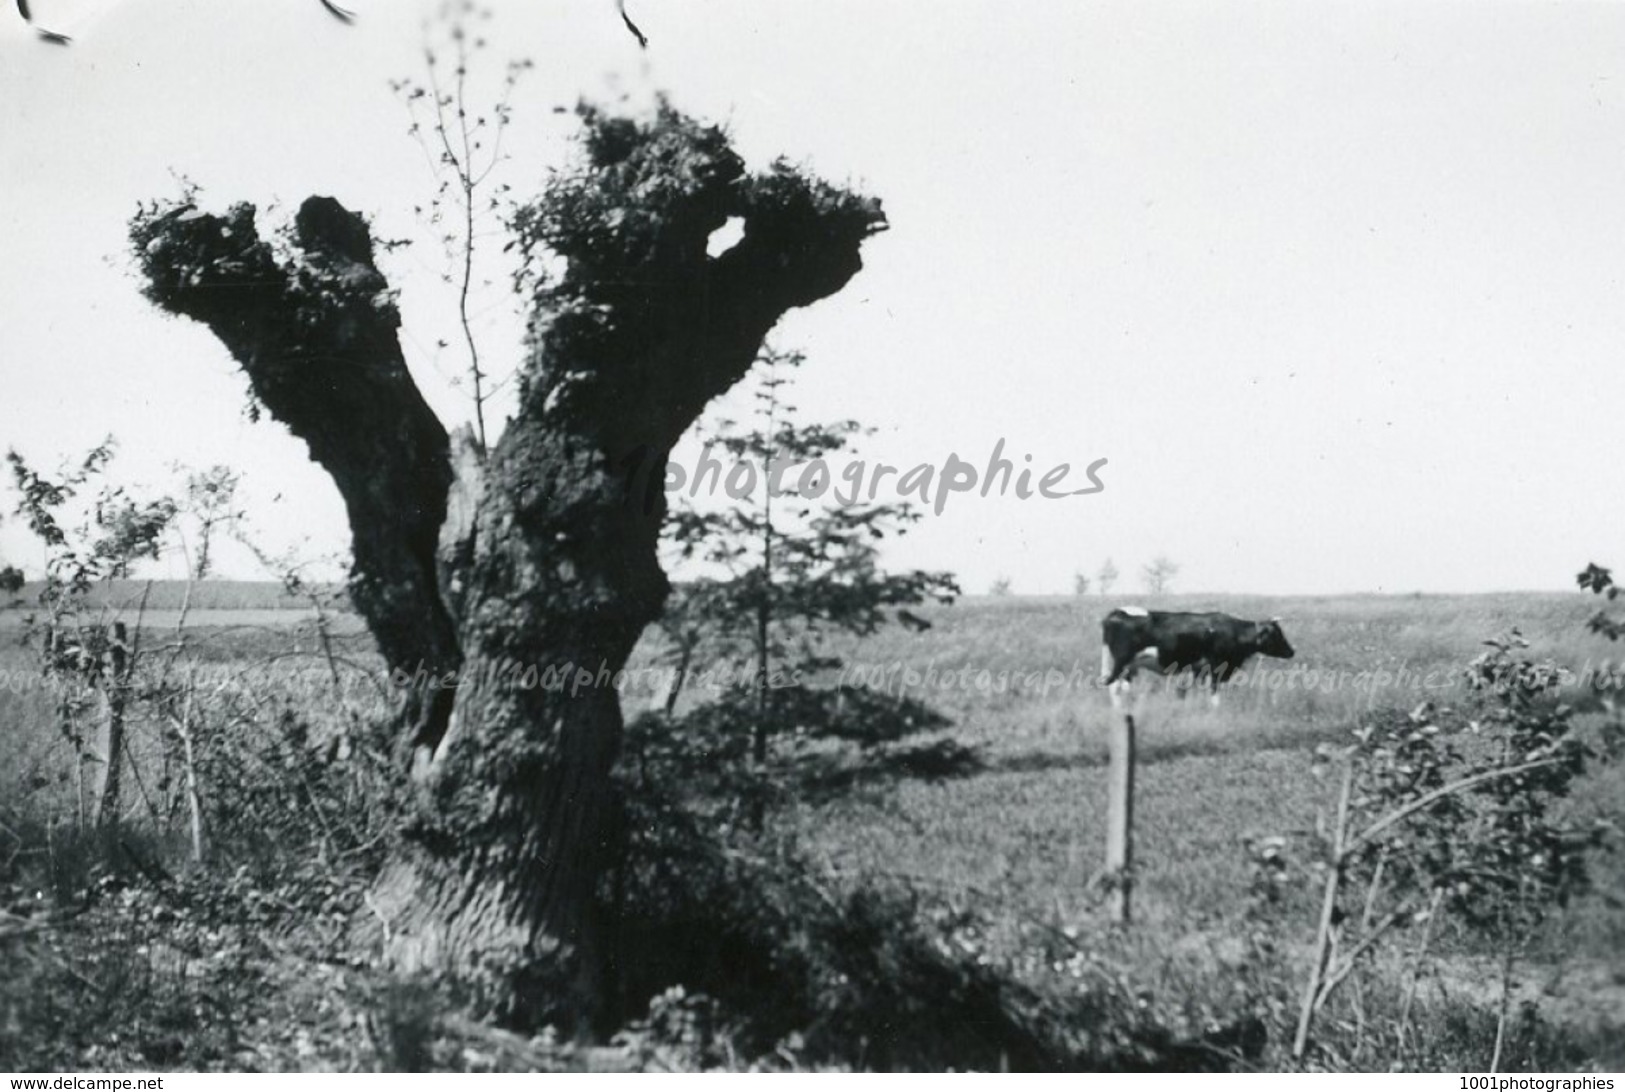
(313,324)
(536,563)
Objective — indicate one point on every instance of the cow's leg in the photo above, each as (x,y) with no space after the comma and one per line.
(1181,682)
(1118,661)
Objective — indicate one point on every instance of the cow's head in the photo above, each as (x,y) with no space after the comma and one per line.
(1272,642)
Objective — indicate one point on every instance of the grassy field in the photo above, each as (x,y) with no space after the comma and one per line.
(211,595)
(1027,831)
(1031,824)
(1021,829)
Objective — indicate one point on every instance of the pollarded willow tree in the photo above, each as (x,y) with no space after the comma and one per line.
(534,561)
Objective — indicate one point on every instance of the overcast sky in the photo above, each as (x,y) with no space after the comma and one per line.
(1336,289)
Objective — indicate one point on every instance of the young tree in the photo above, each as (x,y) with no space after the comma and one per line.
(1107,577)
(1464,820)
(999,588)
(1080,584)
(534,557)
(84,548)
(90,540)
(1158,575)
(210,502)
(463,143)
(795,569)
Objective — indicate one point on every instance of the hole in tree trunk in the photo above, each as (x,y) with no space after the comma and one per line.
(726,236)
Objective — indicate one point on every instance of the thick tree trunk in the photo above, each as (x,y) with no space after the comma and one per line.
(524,576)
(497,880)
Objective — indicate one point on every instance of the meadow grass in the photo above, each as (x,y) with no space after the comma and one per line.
(1029,828)
(1022,833)
(171,595)
(1018,677)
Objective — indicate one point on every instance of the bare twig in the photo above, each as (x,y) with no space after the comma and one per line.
(1427,799)
(1367,942)
(1416,965)
(184,727)
(1328,908)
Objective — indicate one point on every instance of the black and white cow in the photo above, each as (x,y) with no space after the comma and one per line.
(1211,645)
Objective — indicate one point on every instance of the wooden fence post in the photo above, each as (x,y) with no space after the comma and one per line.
(118,695)
(1120,807)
